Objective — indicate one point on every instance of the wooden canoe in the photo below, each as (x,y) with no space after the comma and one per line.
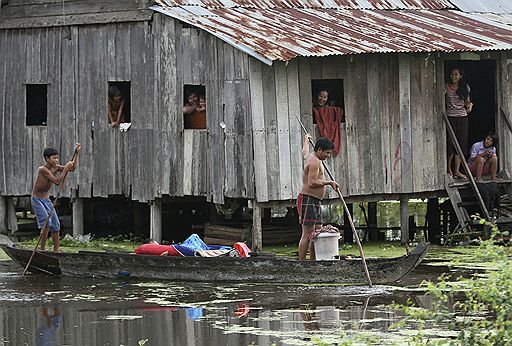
(254,269)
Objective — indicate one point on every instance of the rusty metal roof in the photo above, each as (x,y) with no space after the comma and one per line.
(316,4)
(270,33)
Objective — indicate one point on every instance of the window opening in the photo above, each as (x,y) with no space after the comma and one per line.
(36,104)
(119,105)
(194,107)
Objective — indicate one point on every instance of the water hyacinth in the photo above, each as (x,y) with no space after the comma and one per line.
(478,308)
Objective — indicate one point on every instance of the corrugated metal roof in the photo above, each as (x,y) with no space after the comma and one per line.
(282,34)
(316,4)
(484,6)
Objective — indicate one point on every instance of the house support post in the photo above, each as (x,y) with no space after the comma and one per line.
(3,215)
(78,217)
(155,226)
(348,236)
(375,234)
(12,221)
(404,219)
(433,221)
(257,237)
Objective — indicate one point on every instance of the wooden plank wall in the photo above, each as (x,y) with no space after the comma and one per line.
(277,133)
(156,156)
(216,162)
(392,140)
(45,13)
(504,67)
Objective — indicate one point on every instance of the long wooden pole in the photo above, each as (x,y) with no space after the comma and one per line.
(345,207)
(75,154)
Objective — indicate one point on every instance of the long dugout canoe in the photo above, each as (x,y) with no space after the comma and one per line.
(252,269)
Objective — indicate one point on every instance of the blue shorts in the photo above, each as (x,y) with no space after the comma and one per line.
(41,207)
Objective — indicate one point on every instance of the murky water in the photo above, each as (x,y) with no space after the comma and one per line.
(38,310)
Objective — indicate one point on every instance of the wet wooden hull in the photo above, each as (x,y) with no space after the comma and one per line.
(224,269)
(41,263)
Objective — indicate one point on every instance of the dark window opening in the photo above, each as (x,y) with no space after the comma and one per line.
(37,104)
(119,105)
(328,93)
(194,107)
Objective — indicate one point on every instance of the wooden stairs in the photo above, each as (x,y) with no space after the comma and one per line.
(464,200)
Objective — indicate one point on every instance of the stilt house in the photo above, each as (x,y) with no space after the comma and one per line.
(260,65)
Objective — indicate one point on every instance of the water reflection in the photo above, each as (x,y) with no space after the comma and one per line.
(51,311)
(50,321)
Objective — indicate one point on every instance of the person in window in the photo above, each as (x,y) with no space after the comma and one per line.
(115,106)
(194,111)
(321,99)
(482,159)
(328,119)
(458,105)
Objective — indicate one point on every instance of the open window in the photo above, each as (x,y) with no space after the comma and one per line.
(194,107)
(328,93)
(119,105)
(36,104)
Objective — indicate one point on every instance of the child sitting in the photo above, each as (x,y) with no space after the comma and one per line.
(482,159)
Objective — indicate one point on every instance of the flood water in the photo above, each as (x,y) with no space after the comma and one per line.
(41,310)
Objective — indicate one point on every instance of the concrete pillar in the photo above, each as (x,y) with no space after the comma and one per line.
(257,234)
(404,219)
(78,216)
(155,220)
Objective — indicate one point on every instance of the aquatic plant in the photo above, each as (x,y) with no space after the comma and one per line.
(478,308)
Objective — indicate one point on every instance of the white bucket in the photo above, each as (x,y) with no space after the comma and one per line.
(326,246)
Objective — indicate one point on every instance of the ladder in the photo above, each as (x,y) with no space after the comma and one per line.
(464,203)
(453,190)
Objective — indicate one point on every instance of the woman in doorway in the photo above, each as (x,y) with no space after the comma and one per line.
(458,105)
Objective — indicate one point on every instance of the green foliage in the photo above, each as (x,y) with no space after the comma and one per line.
(482,314)
(126,242)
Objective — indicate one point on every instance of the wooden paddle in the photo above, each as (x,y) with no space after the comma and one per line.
(361,252)
(59,190)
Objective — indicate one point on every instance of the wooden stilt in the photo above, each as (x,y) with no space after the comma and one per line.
(78,216)
(404,219)
(348,236)
(433,221)
(12,221)
(3,215)
(372,220)
(257,234)
(155,223)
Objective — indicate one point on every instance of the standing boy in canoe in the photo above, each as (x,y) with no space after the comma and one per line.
(50,173)
(313,190)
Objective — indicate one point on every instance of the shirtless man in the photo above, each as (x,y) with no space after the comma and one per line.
(313,190)
(50,173)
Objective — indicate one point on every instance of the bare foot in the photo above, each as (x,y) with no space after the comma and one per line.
(459,175)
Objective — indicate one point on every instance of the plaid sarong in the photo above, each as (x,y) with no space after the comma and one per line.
(310,210)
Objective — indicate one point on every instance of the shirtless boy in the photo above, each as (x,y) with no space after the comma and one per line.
(50,173)
(313,190)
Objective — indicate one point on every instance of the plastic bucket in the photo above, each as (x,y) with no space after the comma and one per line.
(326,246)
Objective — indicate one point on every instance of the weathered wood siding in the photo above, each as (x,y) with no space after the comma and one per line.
(227,168)
(504,75)
(156,156)
(393,139)
(46,13)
